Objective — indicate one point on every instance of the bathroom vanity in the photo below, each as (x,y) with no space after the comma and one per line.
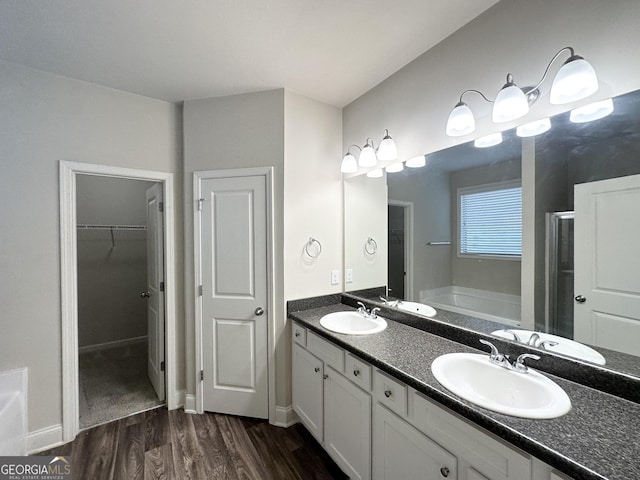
(373,403)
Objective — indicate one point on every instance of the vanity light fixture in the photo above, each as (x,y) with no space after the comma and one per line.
(417,162)
(488,141)
(593,111)
(370,155)
(376,173)
(575,80)
(349,164)
(533,128)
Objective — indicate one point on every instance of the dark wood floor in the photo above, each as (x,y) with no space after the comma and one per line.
(175,445)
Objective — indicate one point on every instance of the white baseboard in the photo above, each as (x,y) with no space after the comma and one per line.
(114,344)
(190,404)
(285,417)
(44,439)
(179,398)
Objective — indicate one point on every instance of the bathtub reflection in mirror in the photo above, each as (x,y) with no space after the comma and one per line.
(438,260)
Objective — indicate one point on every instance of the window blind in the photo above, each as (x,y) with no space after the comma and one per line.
(491,221)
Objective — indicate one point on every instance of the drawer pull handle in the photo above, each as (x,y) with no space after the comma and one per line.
(297,334)
(444,471)
(317,369)
(388,393)
(356,372)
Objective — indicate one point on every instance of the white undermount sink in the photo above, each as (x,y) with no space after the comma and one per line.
(477,380)
(352,323)
(419,308)
(565,346)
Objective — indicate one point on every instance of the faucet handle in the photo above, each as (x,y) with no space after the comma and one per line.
(520,366)
(494,351)
(547,343)
(374,312)
(515,335)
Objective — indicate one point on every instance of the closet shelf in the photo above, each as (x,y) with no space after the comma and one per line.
(111,227)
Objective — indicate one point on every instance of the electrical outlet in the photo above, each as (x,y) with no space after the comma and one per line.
(348,275)
(335,277)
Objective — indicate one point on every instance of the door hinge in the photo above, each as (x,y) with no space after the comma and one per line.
(161,206)
(162,366)
(200,202)
(162,286)
(202,375)
(200,290)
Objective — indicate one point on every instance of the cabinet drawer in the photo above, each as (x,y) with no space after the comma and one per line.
(488,456)
(326,351)
(299,334)
(390,392)
(358,372)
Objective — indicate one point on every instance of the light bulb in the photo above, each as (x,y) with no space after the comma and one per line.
(416,162)
(510,104)
(593,111)
(488,141)
(367,156)
(395,167)
(533,128)
(377,173)
(461,121)
(575,80)
(387,150)
(349,164)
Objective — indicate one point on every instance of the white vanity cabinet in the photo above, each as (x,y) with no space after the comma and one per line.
(334,409)
(402,452)
(375,426)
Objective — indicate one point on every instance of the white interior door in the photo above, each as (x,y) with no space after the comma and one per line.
(234,295)
(607,284)
(155,290)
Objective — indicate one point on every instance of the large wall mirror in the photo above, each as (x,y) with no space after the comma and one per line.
(533,240)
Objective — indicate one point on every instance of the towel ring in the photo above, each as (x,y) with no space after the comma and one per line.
(310,243)
(371,247)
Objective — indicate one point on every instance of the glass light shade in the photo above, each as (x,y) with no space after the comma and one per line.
(593,111)
(461,121)
(416,162)
(395,167)
(533,128)
(488,141)
(367,157)
(575,80)
(377,173)
(349,164)
(387,150)
(511,103)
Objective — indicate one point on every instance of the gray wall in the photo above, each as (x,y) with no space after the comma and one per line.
(237,131)
(46,118)
(110,278)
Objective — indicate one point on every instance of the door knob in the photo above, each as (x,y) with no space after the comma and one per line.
(259,311)
(580,299)
(145,295)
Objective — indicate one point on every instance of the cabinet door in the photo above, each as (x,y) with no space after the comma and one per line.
(307,372)
(347,425)
(402,452)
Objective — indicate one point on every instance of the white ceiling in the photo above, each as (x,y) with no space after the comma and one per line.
(330,50)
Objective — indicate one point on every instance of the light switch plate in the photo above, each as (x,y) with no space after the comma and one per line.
(348,275)
(335,277)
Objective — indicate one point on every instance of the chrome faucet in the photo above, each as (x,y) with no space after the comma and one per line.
(366,313)
(390,303)
(503,360)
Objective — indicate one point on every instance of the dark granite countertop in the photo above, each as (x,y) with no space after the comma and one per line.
(597,439)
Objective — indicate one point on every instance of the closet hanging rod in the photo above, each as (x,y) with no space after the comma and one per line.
(110,227)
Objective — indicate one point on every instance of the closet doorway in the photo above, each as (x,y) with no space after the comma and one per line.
(118,293)
(120,297)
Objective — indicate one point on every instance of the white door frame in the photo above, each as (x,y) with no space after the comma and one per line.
(198,177)
(408,245)
(69,284)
